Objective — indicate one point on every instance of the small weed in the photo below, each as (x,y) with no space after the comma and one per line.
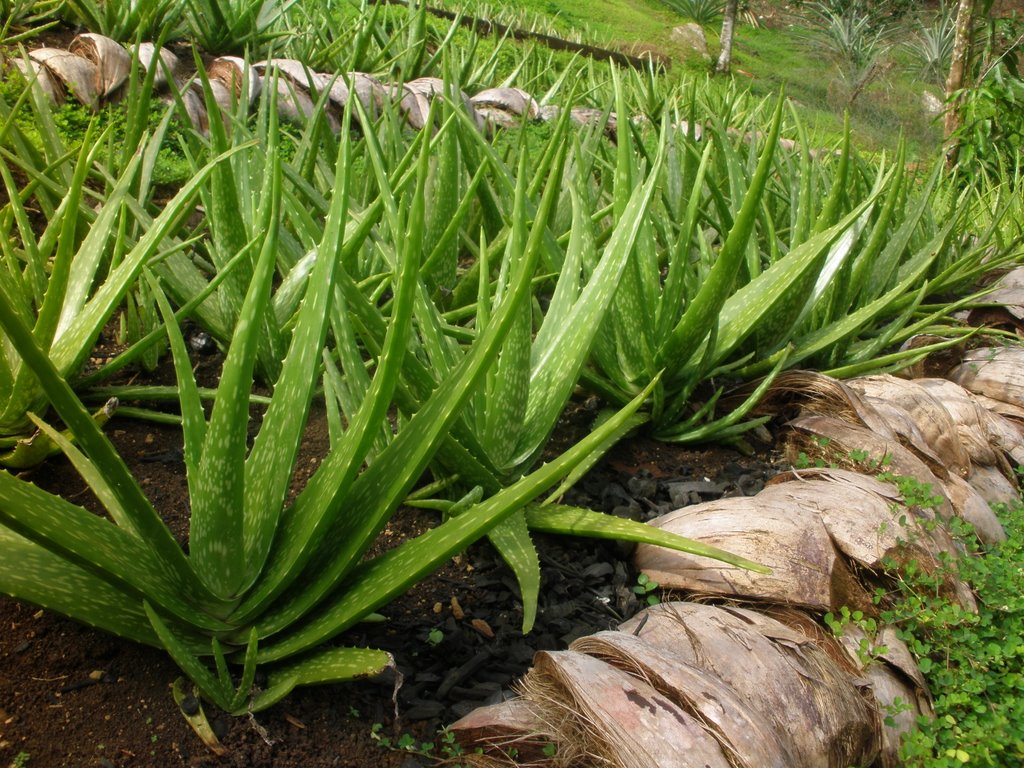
(645,585)
(20,760)
(435,637)
(972,661)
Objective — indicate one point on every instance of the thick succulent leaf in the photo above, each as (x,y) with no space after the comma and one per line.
(511,538)
(575,521)
(218,531)
(158,539)
(91,542)
(30,572)
(333,665)
(380,580)
(703,311)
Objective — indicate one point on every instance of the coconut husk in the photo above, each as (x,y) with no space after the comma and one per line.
(113,63)
(417,95)
(838,441)
(1013,414)
(993,486)
(511,101)
(972,507)
(35,72)
(938,362)
(75,74)
(236,74)
(932,419)
(902,424)
(497,118)
(588,116)
(168,68)
(294,103)
(793,543)
(511,732)
(312,84)
(986,436)
(813,706)
(995,372)
(748,739)
(1007,300)
(804,392)
(890,673)
(684,127)
(611,718)
(370,92)
(195,106)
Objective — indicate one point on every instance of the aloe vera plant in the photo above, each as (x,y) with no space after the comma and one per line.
(67,281)
(266,581)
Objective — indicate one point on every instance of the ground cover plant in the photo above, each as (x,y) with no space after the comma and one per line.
(446,291)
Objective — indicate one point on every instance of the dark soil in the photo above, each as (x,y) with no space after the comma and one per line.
(71,696)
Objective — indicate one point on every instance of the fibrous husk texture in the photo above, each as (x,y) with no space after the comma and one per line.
(95,68)
(773,686)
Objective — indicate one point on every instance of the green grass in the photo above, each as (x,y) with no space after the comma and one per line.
(764,60)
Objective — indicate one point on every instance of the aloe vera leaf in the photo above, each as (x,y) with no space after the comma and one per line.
(95,444)
(768,305)
(31,572)
(331,665)
(311,515)
(557,365)
(398,467)
(218,524)
(511,538)
(703,311)
(94,544)
(75,343)
(380,580)
(269,466)
(575,521)
(184,656)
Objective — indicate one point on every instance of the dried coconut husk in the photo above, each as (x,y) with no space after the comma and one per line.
(749,740)
(986,436)
(932,419)
(1006,302)
(511,101)
(370,92)
(938,362)
(839,442)
(802,392)
(604,716)
(313,84)
(792,542)
(890,674)
(511,732)
(113,63)
(903,426)
(813,706)
(796,528)
(167,63)
(35,72)
(974,508)
(195,106)
(238,76)
(586,116)
(76,75)
(993,486)
(417,95)
(995,372)
(294,103)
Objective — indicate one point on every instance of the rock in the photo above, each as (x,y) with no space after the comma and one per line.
(691,36)
(932,104)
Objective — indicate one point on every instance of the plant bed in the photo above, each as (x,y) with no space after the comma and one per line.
(70,695)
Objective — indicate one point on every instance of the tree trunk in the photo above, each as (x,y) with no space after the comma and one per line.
(728,30)
(957,76)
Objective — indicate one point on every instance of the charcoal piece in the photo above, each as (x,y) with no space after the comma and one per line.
(693,492)
(643,485)
(597,571)
(460,673)
(424,709)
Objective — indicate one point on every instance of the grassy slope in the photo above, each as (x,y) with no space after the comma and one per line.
(764,59)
